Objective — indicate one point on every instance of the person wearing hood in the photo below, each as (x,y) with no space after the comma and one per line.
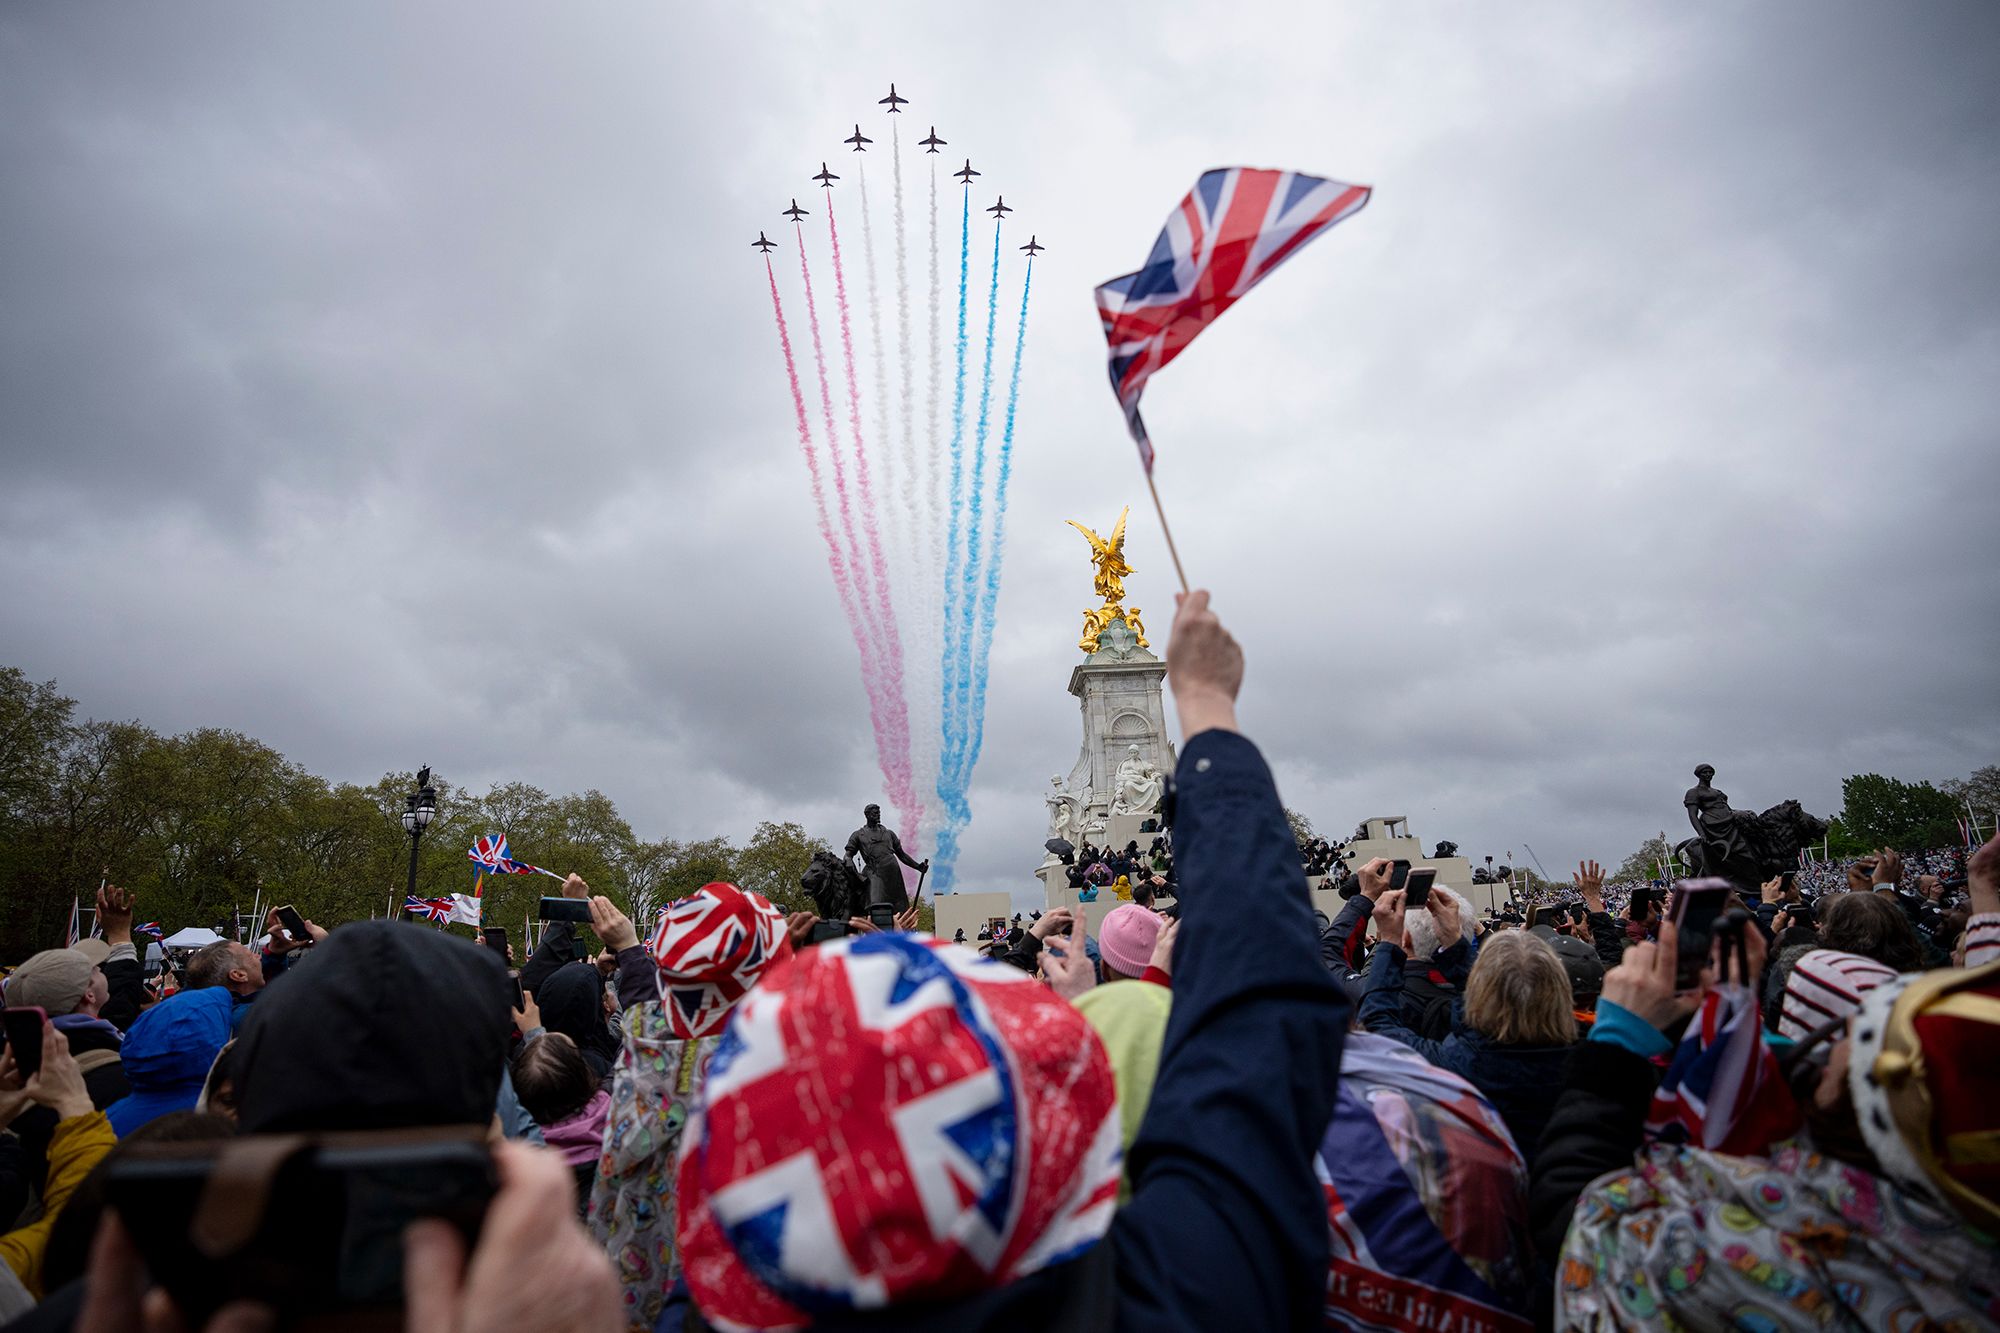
(571,1000)
(168,1054)
(1512,1037)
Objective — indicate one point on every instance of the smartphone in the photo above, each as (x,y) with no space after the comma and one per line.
(1418,888)
(313,1230)
(1399,874)
(496,940)
(566,909)
(1695,906)
(882,916)
(520,996)
(24,1036)
(823,931)
(294,924)
(1789,883)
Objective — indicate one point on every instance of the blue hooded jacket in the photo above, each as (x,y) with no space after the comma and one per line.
(167,1055)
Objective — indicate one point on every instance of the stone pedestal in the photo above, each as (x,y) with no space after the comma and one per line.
(1118,690)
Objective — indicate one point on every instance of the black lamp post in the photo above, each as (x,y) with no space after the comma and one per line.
(422,805)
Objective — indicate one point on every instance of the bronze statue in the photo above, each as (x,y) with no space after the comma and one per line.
(1737,845)
(880,849)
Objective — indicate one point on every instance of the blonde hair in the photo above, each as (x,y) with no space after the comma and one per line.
(1518,994)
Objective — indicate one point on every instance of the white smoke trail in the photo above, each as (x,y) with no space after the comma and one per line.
(930,587)
(887,452)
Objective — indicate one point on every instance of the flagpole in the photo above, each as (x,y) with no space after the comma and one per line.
(1166,531)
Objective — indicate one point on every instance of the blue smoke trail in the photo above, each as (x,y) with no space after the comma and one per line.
(989,597)
(968,610)
(954,813)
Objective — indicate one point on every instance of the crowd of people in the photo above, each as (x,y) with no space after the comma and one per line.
(1218,1113)
(1119,871)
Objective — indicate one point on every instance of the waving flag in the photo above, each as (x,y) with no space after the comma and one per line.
(1235,226)
(431,909)
(148,928)
(1723,1090)
(490,855)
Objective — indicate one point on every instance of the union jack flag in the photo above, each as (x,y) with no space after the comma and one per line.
(431,909)
(711,946)
(982,1146)
(1234,227)
(490,855)
(1723,1090)
(148,928)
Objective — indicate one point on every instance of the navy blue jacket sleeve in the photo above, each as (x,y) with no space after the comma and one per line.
(1227,1226)
(559,947)
(1340,944)
(1382,1003)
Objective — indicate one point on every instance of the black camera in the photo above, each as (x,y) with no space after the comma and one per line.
(308,1224)
(1350,884)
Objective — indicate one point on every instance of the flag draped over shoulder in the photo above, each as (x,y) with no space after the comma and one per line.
(1723,1090)
(1234,227)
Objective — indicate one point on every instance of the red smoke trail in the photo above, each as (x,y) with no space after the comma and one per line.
(896,760)
(846,576)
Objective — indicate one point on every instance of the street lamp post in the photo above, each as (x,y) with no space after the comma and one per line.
(421,806)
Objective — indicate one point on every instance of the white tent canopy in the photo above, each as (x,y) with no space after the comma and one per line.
(194,937)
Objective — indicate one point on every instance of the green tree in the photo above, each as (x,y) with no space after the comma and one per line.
(1981,791)
(1884,812)
(1302,828)
(1645,863)
(772,862)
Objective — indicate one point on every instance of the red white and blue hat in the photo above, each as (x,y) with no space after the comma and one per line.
(711,947)
(889,1118)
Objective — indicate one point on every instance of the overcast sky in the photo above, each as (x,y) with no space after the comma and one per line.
(394,383)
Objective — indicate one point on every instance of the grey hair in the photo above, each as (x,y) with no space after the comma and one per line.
(1422,926)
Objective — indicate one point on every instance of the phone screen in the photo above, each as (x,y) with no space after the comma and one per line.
(496,939)
(565,909)
(1399,874)
(24,1037)
(294,924)
(1419,888)
(1696,905)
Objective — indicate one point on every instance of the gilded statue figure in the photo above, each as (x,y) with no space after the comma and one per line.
(1109,558)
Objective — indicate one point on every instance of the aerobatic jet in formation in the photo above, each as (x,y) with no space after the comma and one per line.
(795,212)
(1032,248)
(858,139)
(1000,209)
(930,145)
(893,102)
(764,244)
(825,178)
(967,174)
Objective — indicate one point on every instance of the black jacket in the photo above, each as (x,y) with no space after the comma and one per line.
(1596,1125)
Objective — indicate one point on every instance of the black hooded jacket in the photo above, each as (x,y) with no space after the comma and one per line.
(391,1026)
(572,1002)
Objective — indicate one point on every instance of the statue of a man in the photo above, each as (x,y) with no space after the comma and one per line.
(1062,809)
(1138,786)
(880,849)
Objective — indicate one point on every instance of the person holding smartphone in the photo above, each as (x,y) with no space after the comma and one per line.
(80,1140)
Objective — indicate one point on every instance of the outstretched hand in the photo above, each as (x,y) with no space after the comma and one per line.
(1068,968)
(611,925)
(1589,881)
(1204,667)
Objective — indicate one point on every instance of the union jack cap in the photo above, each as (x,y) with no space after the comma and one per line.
(890,1118)
(711,947)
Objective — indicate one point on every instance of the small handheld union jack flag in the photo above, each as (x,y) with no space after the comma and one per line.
(1234,227)
(431,909)
(490,855)
(148,928)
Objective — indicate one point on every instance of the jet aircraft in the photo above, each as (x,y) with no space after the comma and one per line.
(1000,209)
(795,212)
(858,139)
(967,174)
(764,244)
(825,178)
(1032,248)
(930,145)
(893,102)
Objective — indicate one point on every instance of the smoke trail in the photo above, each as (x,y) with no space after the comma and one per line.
(968,598)
(933,506)
(953,814)
(833,450)
(909,404)
(875,348)
(989,597)
(843,577)
(888,643)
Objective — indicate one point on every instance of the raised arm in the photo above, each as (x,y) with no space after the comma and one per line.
(1227,1226)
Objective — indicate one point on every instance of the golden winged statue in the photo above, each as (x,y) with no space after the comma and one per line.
(1108,557)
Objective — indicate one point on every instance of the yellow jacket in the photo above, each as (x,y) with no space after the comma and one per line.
(79,1143)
